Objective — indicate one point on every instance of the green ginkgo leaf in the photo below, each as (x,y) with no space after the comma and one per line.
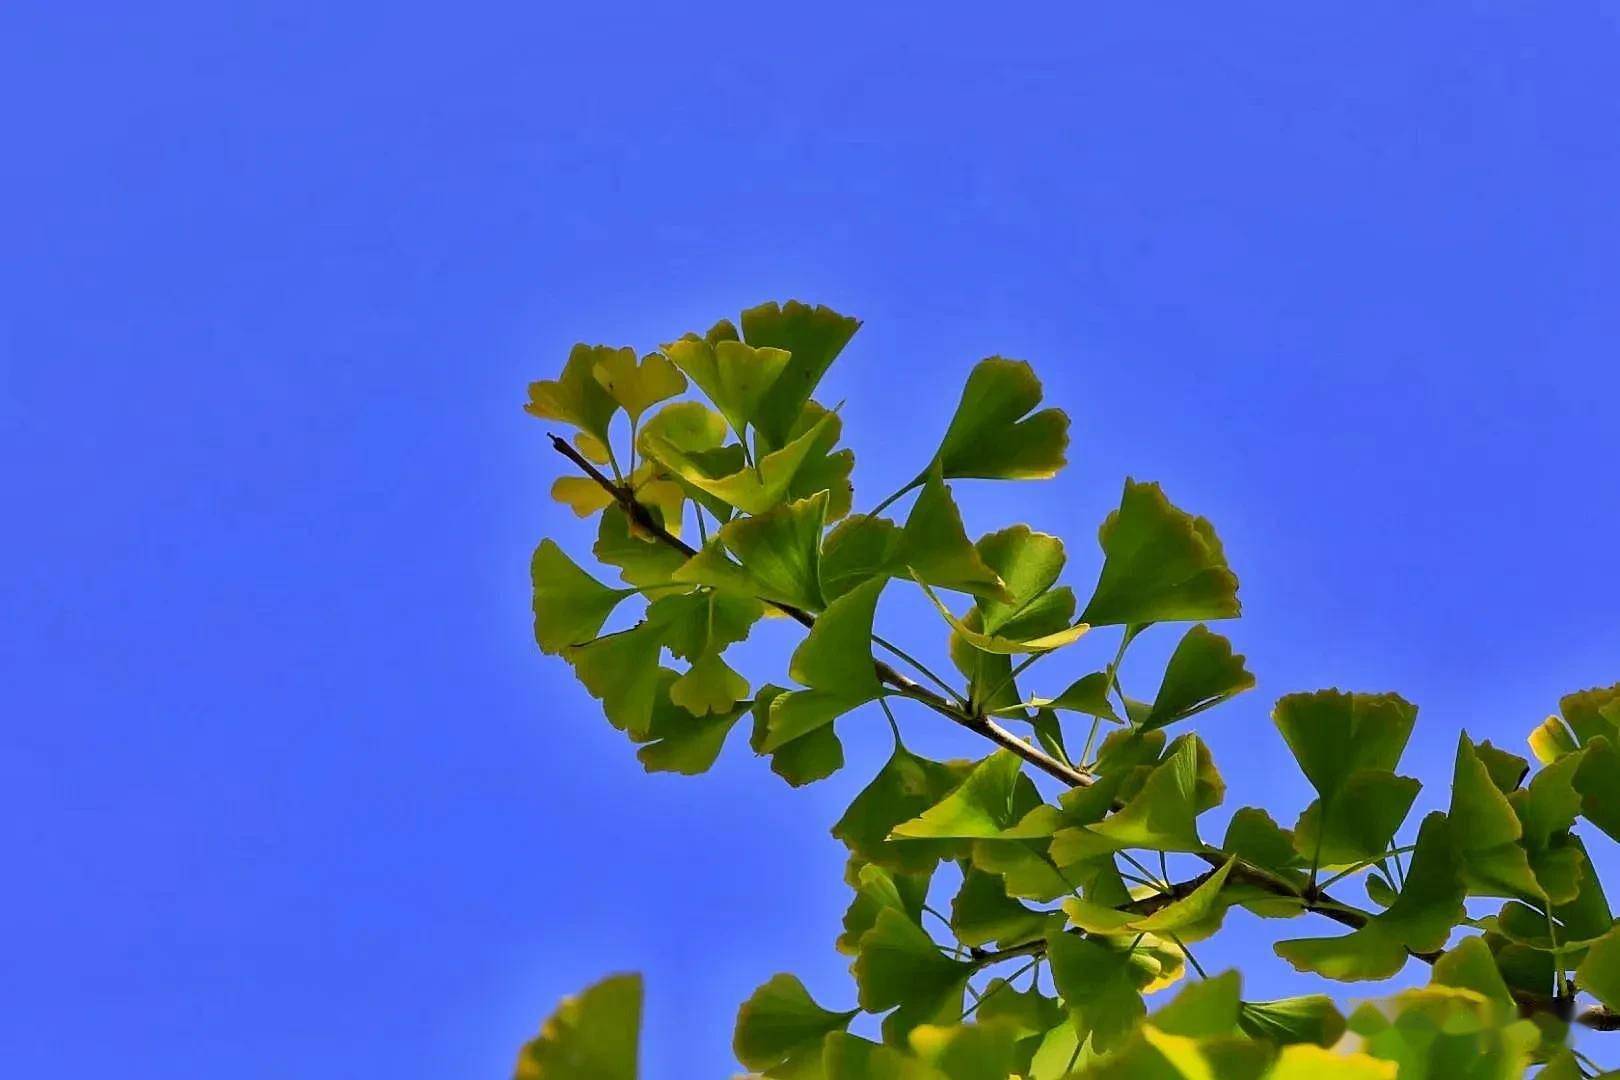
(1202,672)
(1361,822)
(879,889)
(570,606)
(994,435)
(641,561)
(781,550)
(824,468)
(1087,694)
(594,1034)
(700,433)
(1507,770)
(835,663)
(621,671)
(936,548)
(1001,643)
(987,805)
(1312,1018)
(1333,734)
(1028,564)
(982,912)
(637,387)
(1551,740)
(1599,973)
(812,337)
(1470,966)
(1494,861)
(1420,919)
(1161,816)
(752,490)
(849,1057)
(1595,780)
(814,756)
(695,624)
(906,786)
(1160,564)
(899,965)
(1179,916)
(678,741)
(965,1051)
(735,376)
(780,1029)
(856,550)
(709,686)
(576,397)
(1099,985)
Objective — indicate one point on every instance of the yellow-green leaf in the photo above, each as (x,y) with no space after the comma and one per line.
(570,606)
(638,387)
(592,1035)
(576,397)
(994,435)
(1160,564)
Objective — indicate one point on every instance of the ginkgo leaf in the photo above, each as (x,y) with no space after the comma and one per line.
(1594,779)
(824,468)
(906,786)
(582,495)
(1028,564)
(1312,1018)
(1306,1062)
(621,671)
(936,548)
(981,1051)
(641,561)
(812,337)
(636,388)
(678,741)
(899,965)
(780,1029)
(993,434)
(1087,694)
(1470,965)
(1162,816)
(1361,823)
(1257,839)
(751,490)
(1160,564)
(594,1034)
(592,448)
(1420,919)
(1593,714)
(856,550)
(1202,672)
(879,889)
(987,805)
(811,757)
(1552,740)
(709,686)
(735,376)
(835,662)
(1507,770)
(998,643)
(781,550)
(570,606)
(700,433)
(1494,861)
(697,623)
(1099,986)
(576,397)
(982,912)
(1178,916)
(1599,973)
(1203,1009)
(849,1057)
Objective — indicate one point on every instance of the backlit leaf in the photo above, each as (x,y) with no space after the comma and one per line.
(1160,564)
(835,662)
(1099,986)
(780,1030)
(621,671)
(592,1035)
(570,606)
(1313,1018)
(637,387)
(906,786)
(1202,672)
(994,434)
(813,337)
(858,549)
(753,490)
(936,547)
(899,964)
(576,397)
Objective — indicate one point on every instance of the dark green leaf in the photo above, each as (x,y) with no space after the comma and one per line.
(780,1029)
(592,1035)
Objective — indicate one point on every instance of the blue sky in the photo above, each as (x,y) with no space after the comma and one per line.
(289,789)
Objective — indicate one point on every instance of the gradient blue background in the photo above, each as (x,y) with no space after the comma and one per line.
(288,789)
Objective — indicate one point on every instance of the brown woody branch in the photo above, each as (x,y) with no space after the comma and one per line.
(1311,897)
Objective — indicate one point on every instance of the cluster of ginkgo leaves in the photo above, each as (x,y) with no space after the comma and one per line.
(1068,935)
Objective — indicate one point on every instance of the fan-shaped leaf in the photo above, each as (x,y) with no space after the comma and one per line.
(1160,564)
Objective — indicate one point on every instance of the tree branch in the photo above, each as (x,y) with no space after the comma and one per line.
(901,684)
(1312,897)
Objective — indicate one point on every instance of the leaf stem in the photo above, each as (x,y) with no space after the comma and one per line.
(884,505)
(921,668)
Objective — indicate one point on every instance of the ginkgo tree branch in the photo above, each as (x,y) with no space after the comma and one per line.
(902,684)
(1312,897)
